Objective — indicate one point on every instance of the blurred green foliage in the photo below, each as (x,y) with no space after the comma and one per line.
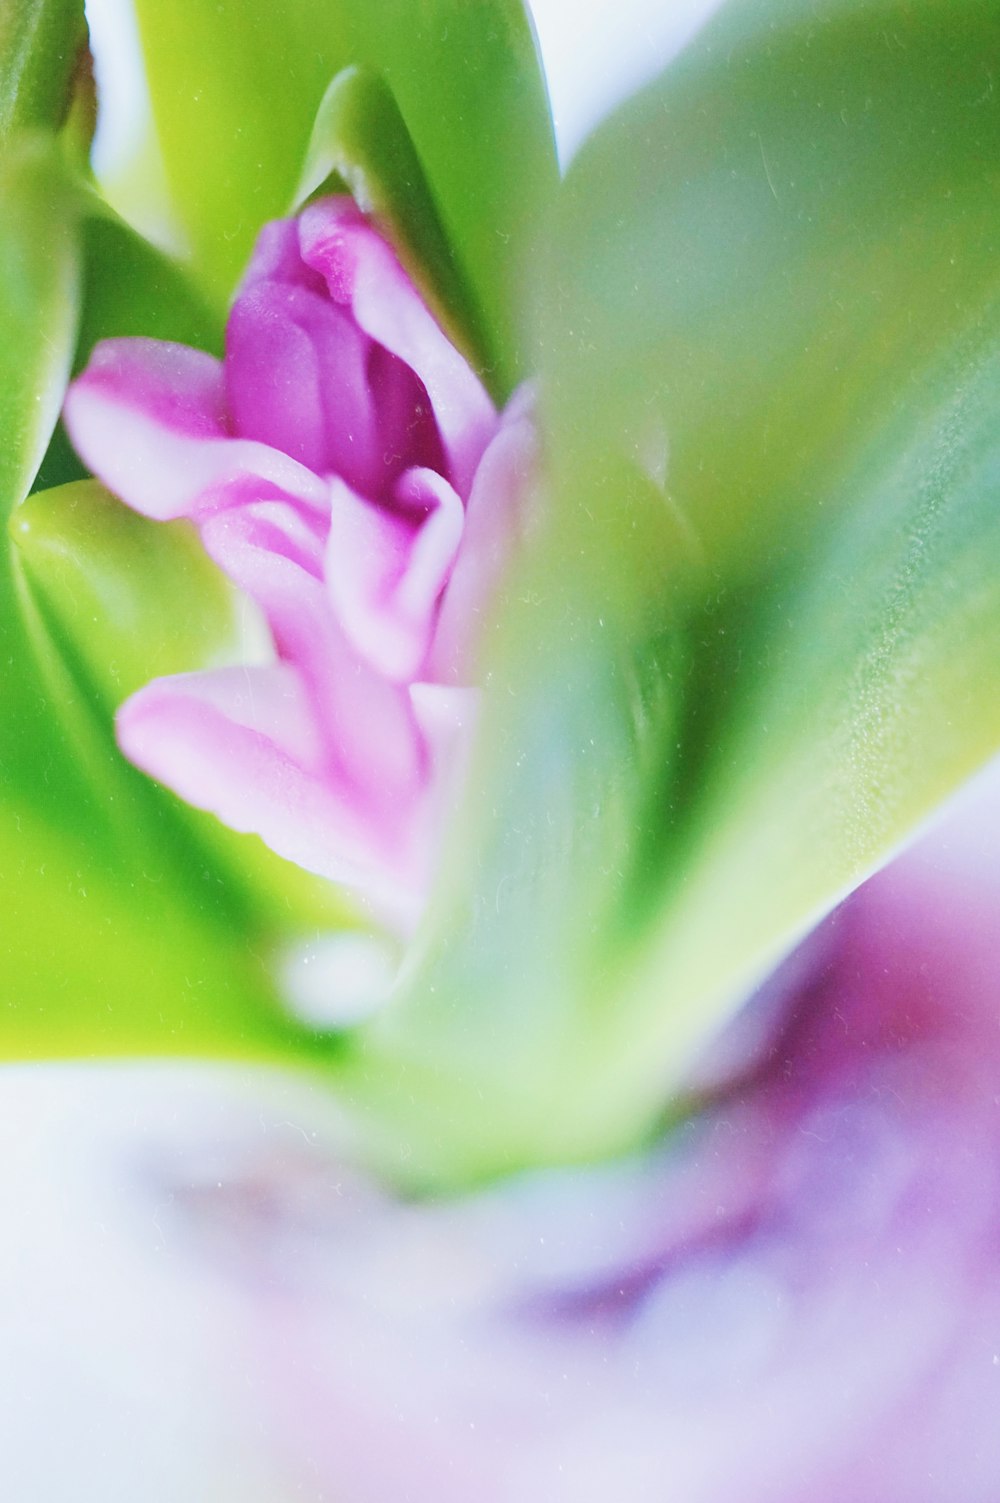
(753,643)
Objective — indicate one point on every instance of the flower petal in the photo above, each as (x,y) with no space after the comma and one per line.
(367,724)
(297,378)
(363,272)
(386,569)
(148,418)
(242,744)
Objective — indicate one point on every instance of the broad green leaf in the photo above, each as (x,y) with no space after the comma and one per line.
(40,46)
(360,144)
(773,288)
(39,291)
(236,88)
(118,600)
(762,252)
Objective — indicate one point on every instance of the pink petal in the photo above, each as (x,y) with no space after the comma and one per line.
(148,419)
(272,381)
(494,522)
(363,272)
(276,258)
(241,744)
(297,379)
(386,568)
(367,724)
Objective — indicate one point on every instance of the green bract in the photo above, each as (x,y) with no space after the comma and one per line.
(754,641)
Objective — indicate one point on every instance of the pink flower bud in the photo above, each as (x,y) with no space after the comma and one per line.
(348,472)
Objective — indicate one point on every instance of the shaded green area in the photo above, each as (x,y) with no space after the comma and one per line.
(40,44)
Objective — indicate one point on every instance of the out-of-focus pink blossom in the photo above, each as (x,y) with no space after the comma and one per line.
(347,470)
(796,1296)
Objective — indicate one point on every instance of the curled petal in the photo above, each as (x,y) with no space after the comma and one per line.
(367,724)
(148,418)
(241,743)
(386,569)
(362,271)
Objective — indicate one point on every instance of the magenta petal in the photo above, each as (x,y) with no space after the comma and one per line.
(272,379)
(362,271)
(241,743)
(327,463)
(148,419)
(296,378)
(386,569)
(407,432)
(276,258)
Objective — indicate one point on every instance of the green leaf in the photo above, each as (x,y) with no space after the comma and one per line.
(803,297)
(97,962)
(360,143)
(40,45)
(118,600)
(39,298)
(773,289)
(236,89)
(132,287)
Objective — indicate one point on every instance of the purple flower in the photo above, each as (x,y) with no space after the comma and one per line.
(347,470)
